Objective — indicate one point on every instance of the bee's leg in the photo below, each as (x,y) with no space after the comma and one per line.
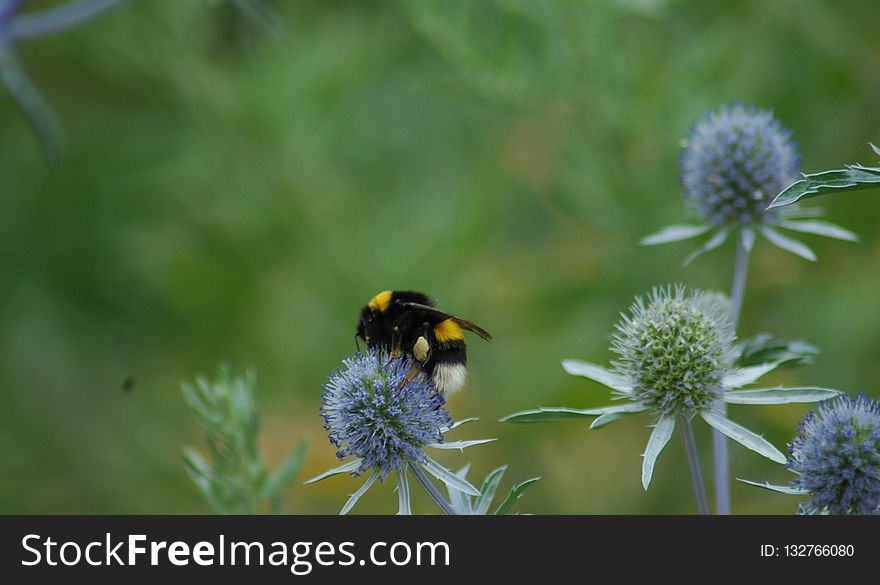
(420,352)
(413,371)
(396,340)
(357,345)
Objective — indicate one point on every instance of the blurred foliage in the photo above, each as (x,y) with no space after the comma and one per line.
(231,194)
(233,478)
(18,24)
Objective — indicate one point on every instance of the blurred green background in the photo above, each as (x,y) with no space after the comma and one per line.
(233,192)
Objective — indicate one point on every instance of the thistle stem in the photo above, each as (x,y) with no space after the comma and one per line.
(690,448)
(738,291)
(431,489)
(719,441)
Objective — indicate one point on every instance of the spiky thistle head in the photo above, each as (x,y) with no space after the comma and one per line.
(372,412)
(836,454)
(675,348)
(735,160)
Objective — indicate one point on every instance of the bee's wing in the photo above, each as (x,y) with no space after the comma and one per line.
(464,323)
(474,328)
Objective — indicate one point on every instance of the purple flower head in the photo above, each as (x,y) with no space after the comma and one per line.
(836,454)
(371,412)
(736,160)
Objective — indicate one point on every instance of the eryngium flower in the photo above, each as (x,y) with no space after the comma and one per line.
(384,413)
(735,160)
(836,454)
(676,360)
(676,349)
(372,414)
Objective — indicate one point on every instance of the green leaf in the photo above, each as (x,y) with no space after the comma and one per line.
(597,374)
(607,419)
(195,463)
(460,445)
(762,348)
(788,244)
(659,437)
(779,395)
(449,478)
(198,406)
(488,489)
(743,436)
(514,496)
(820,228)
(360,492)
(675,233)
(714,242)
(285,472)
(744,376)
(201,476)
(404,508)
(346,468)
(782,489)
(546,414)
(852,178)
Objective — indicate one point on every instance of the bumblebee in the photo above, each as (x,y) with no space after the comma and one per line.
(407,322)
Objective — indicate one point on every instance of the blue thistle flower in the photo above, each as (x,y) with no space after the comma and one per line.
(385,413)
(370,413)
(836,454)
(676,360)
(734,162)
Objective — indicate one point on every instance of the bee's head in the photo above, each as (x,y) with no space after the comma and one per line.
(375,320)
(367,327)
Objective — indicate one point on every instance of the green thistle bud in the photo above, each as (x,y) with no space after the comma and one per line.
(675,348)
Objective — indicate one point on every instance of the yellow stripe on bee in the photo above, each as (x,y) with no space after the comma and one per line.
(447,331)
(381,301)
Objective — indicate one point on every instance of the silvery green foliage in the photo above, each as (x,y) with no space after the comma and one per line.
(735,160)
(836,458)
(762,348)
(16,27)
(677,358)
(383,415)
(465,504)
(852,178)
(232,477)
